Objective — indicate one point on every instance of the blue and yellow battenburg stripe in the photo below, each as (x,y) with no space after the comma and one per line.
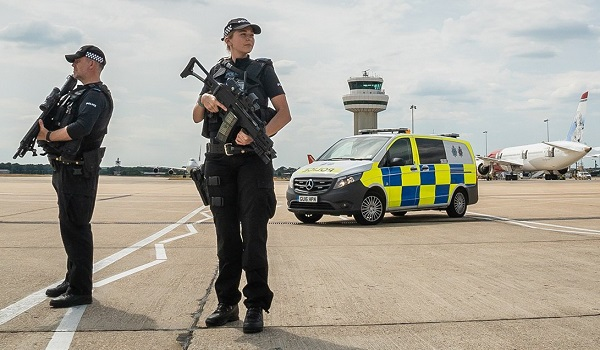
(433,184)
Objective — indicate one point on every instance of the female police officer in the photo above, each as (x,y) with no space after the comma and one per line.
(240,184)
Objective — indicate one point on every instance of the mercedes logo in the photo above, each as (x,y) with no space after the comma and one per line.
(310,184)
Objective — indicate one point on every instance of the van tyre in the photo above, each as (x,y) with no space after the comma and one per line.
(309,218)
(372,209)
(458,205)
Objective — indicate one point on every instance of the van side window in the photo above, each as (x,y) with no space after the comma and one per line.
(400,153)
(431,151)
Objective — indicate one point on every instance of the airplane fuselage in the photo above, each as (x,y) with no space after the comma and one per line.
(551,157)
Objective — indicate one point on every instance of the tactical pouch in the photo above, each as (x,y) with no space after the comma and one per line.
(70,149)
(91,161)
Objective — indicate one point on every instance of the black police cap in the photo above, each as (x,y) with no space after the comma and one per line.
(239,23)
(90,51)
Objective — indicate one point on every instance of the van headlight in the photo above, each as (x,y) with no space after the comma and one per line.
(346,180)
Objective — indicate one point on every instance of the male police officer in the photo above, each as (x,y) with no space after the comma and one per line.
(75,154)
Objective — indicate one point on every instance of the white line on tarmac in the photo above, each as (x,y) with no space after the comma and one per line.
(127,273)
(62,340)
(63,335)
(541,225)
(17,308)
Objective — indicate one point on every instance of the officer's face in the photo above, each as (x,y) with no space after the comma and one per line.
(242,41)
(81,67)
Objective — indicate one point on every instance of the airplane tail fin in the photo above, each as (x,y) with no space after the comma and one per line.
(576,131)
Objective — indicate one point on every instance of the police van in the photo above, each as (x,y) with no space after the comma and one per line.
(386,170)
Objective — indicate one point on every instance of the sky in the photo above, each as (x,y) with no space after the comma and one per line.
(468,67)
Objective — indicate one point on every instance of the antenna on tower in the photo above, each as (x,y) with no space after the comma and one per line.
(365,74)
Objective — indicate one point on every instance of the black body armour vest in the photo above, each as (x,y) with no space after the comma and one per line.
(66,115)
(249,82)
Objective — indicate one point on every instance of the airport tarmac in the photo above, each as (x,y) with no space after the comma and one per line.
(519,271)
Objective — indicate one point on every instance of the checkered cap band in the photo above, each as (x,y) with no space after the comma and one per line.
(94,57)
(227,30)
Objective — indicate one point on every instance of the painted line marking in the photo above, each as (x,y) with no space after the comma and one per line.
(64,333)
(539,225)
(62,340)
(19,307)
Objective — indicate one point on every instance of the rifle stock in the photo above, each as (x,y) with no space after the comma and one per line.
(241,105)
(48,108)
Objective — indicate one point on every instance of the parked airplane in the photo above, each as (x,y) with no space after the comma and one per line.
(553,157)
(192,163)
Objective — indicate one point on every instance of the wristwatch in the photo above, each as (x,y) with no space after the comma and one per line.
(48,135)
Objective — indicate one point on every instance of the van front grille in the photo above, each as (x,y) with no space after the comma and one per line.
(311,186)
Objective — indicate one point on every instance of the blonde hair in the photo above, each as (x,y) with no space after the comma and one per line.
(229,36)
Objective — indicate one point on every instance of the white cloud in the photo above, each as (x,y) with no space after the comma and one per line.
(39,34)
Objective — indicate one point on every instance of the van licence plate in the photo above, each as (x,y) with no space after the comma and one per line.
(307,199)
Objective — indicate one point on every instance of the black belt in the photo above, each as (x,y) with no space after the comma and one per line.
(228,149)
(58,159)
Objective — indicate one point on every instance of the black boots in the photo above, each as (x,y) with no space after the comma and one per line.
(253,323)
(58,290)
(223,314)
(68,300)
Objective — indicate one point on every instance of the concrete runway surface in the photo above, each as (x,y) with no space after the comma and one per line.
(519,271)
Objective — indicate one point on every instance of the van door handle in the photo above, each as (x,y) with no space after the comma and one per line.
(413,168)
(425,168)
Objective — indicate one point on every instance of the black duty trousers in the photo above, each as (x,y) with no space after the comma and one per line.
(76,199)
(242,200)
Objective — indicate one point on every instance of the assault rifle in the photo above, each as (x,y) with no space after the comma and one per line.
(241,111)
(49,109)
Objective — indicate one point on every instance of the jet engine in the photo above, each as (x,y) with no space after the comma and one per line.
(157,171)
(482,169)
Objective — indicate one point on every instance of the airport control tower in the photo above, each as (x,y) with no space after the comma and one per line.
(365,100)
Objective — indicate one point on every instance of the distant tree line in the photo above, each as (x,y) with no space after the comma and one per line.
(45,169)
(15,168)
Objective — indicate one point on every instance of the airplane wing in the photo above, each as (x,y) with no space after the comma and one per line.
(487,161)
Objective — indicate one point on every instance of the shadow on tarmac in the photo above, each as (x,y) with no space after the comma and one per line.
(99,317)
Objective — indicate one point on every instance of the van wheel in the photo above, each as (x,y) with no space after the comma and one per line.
(372,209)
(458,205)
(309,218)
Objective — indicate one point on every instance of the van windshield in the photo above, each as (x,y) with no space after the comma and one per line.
(355,148)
